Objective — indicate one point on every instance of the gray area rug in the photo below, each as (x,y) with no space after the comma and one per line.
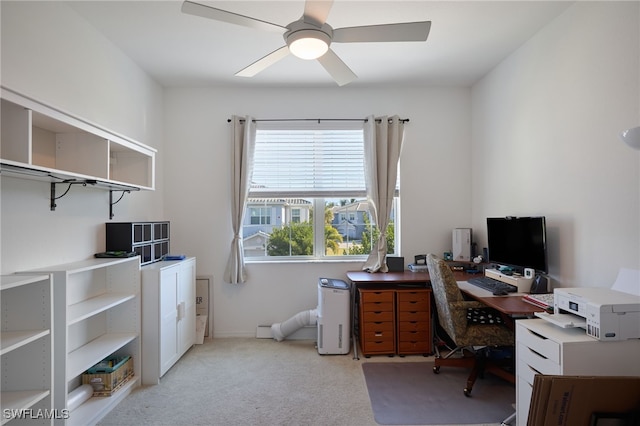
(409,393)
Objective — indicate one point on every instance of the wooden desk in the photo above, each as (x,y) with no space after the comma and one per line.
(511,305)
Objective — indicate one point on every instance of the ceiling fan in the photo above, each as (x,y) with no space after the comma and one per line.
(310,36)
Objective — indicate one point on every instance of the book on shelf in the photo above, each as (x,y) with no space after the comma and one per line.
(544,301)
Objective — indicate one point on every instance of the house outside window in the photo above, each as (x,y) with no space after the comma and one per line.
(310,178)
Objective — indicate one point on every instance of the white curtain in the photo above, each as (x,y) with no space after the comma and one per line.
(243,144)
(382,144)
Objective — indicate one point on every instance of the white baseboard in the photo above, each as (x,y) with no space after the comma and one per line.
(304,333)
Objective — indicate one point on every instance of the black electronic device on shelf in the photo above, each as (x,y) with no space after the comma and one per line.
(150,240)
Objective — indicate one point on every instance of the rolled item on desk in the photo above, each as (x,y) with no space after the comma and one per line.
(78,396)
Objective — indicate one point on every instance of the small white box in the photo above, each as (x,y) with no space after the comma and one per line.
(462,244)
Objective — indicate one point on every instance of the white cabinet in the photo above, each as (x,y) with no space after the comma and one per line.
(42,142)
(544,348)
(26,347)
(96,314)
(168,315)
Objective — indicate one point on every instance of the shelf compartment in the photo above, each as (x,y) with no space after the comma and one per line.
(93,306)
(21,400)
(11,281)
(86,356)
(12,340)
(96,407)
(46,139)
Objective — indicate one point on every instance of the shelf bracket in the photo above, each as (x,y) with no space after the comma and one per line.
(69,182)
(112,203)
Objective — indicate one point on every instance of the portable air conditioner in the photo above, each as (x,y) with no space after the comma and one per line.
(334,316)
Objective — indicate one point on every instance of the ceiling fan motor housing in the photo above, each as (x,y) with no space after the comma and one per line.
(316,40)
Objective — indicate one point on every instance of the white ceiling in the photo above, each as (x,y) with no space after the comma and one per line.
(467,39)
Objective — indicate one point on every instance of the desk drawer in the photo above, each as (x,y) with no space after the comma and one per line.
(523,401)
(378,335)
(413,326)
(413,336)
(378,346)
(373,296)
(377,316)
(547,348)
(537,361)
(377,307)
(371,326)
(413,305)
(418,316)
(526,372)
(414,347)
(413,296)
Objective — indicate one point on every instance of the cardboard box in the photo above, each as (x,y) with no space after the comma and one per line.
(202,299)
(584,400)
(105,384)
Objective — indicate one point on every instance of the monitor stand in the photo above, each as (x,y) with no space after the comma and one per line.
(523,284)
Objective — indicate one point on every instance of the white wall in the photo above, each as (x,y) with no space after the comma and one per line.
(538,135)
(51,54)
(434,168)
(545,140)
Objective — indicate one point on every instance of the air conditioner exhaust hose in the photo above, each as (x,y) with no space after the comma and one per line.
(301,319)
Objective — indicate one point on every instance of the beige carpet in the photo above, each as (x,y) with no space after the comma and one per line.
(247,381)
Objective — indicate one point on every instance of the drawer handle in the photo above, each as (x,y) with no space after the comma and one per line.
(539,336)
(538,353)
(378,334)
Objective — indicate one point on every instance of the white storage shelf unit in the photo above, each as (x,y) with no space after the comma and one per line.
(96,315)
(41,141)
(26,346)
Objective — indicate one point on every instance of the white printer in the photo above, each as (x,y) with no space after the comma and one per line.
(609,314)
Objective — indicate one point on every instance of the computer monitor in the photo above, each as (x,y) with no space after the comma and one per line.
(518,242)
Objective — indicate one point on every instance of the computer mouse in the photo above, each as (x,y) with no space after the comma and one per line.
(500,292)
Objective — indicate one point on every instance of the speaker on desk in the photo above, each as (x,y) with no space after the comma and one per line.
(539,285)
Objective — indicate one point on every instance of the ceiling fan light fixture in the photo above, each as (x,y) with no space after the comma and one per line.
(308,44)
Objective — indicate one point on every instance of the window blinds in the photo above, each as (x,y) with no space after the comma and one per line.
(308,160)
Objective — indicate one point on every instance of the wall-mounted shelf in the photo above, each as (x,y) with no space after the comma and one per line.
(44,143)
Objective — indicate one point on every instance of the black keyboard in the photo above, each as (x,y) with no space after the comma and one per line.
(492,285)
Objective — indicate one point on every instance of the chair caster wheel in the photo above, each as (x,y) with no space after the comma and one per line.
(467,392)
(436,369)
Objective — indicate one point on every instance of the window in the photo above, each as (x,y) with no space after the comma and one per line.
(295,215)
(308,197)
(260,215)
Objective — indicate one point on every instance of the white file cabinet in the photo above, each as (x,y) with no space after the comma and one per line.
(544,348)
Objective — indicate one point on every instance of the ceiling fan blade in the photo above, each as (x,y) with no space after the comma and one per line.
(340,72)
(264,62)
(198,9)
(408,31)
(316,11)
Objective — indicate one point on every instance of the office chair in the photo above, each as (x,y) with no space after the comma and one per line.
(466,335)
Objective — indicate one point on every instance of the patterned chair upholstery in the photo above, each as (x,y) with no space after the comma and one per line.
(452,316)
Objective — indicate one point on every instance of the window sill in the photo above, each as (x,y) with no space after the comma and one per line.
(307,260)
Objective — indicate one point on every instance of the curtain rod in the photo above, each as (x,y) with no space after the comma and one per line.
(404,120)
